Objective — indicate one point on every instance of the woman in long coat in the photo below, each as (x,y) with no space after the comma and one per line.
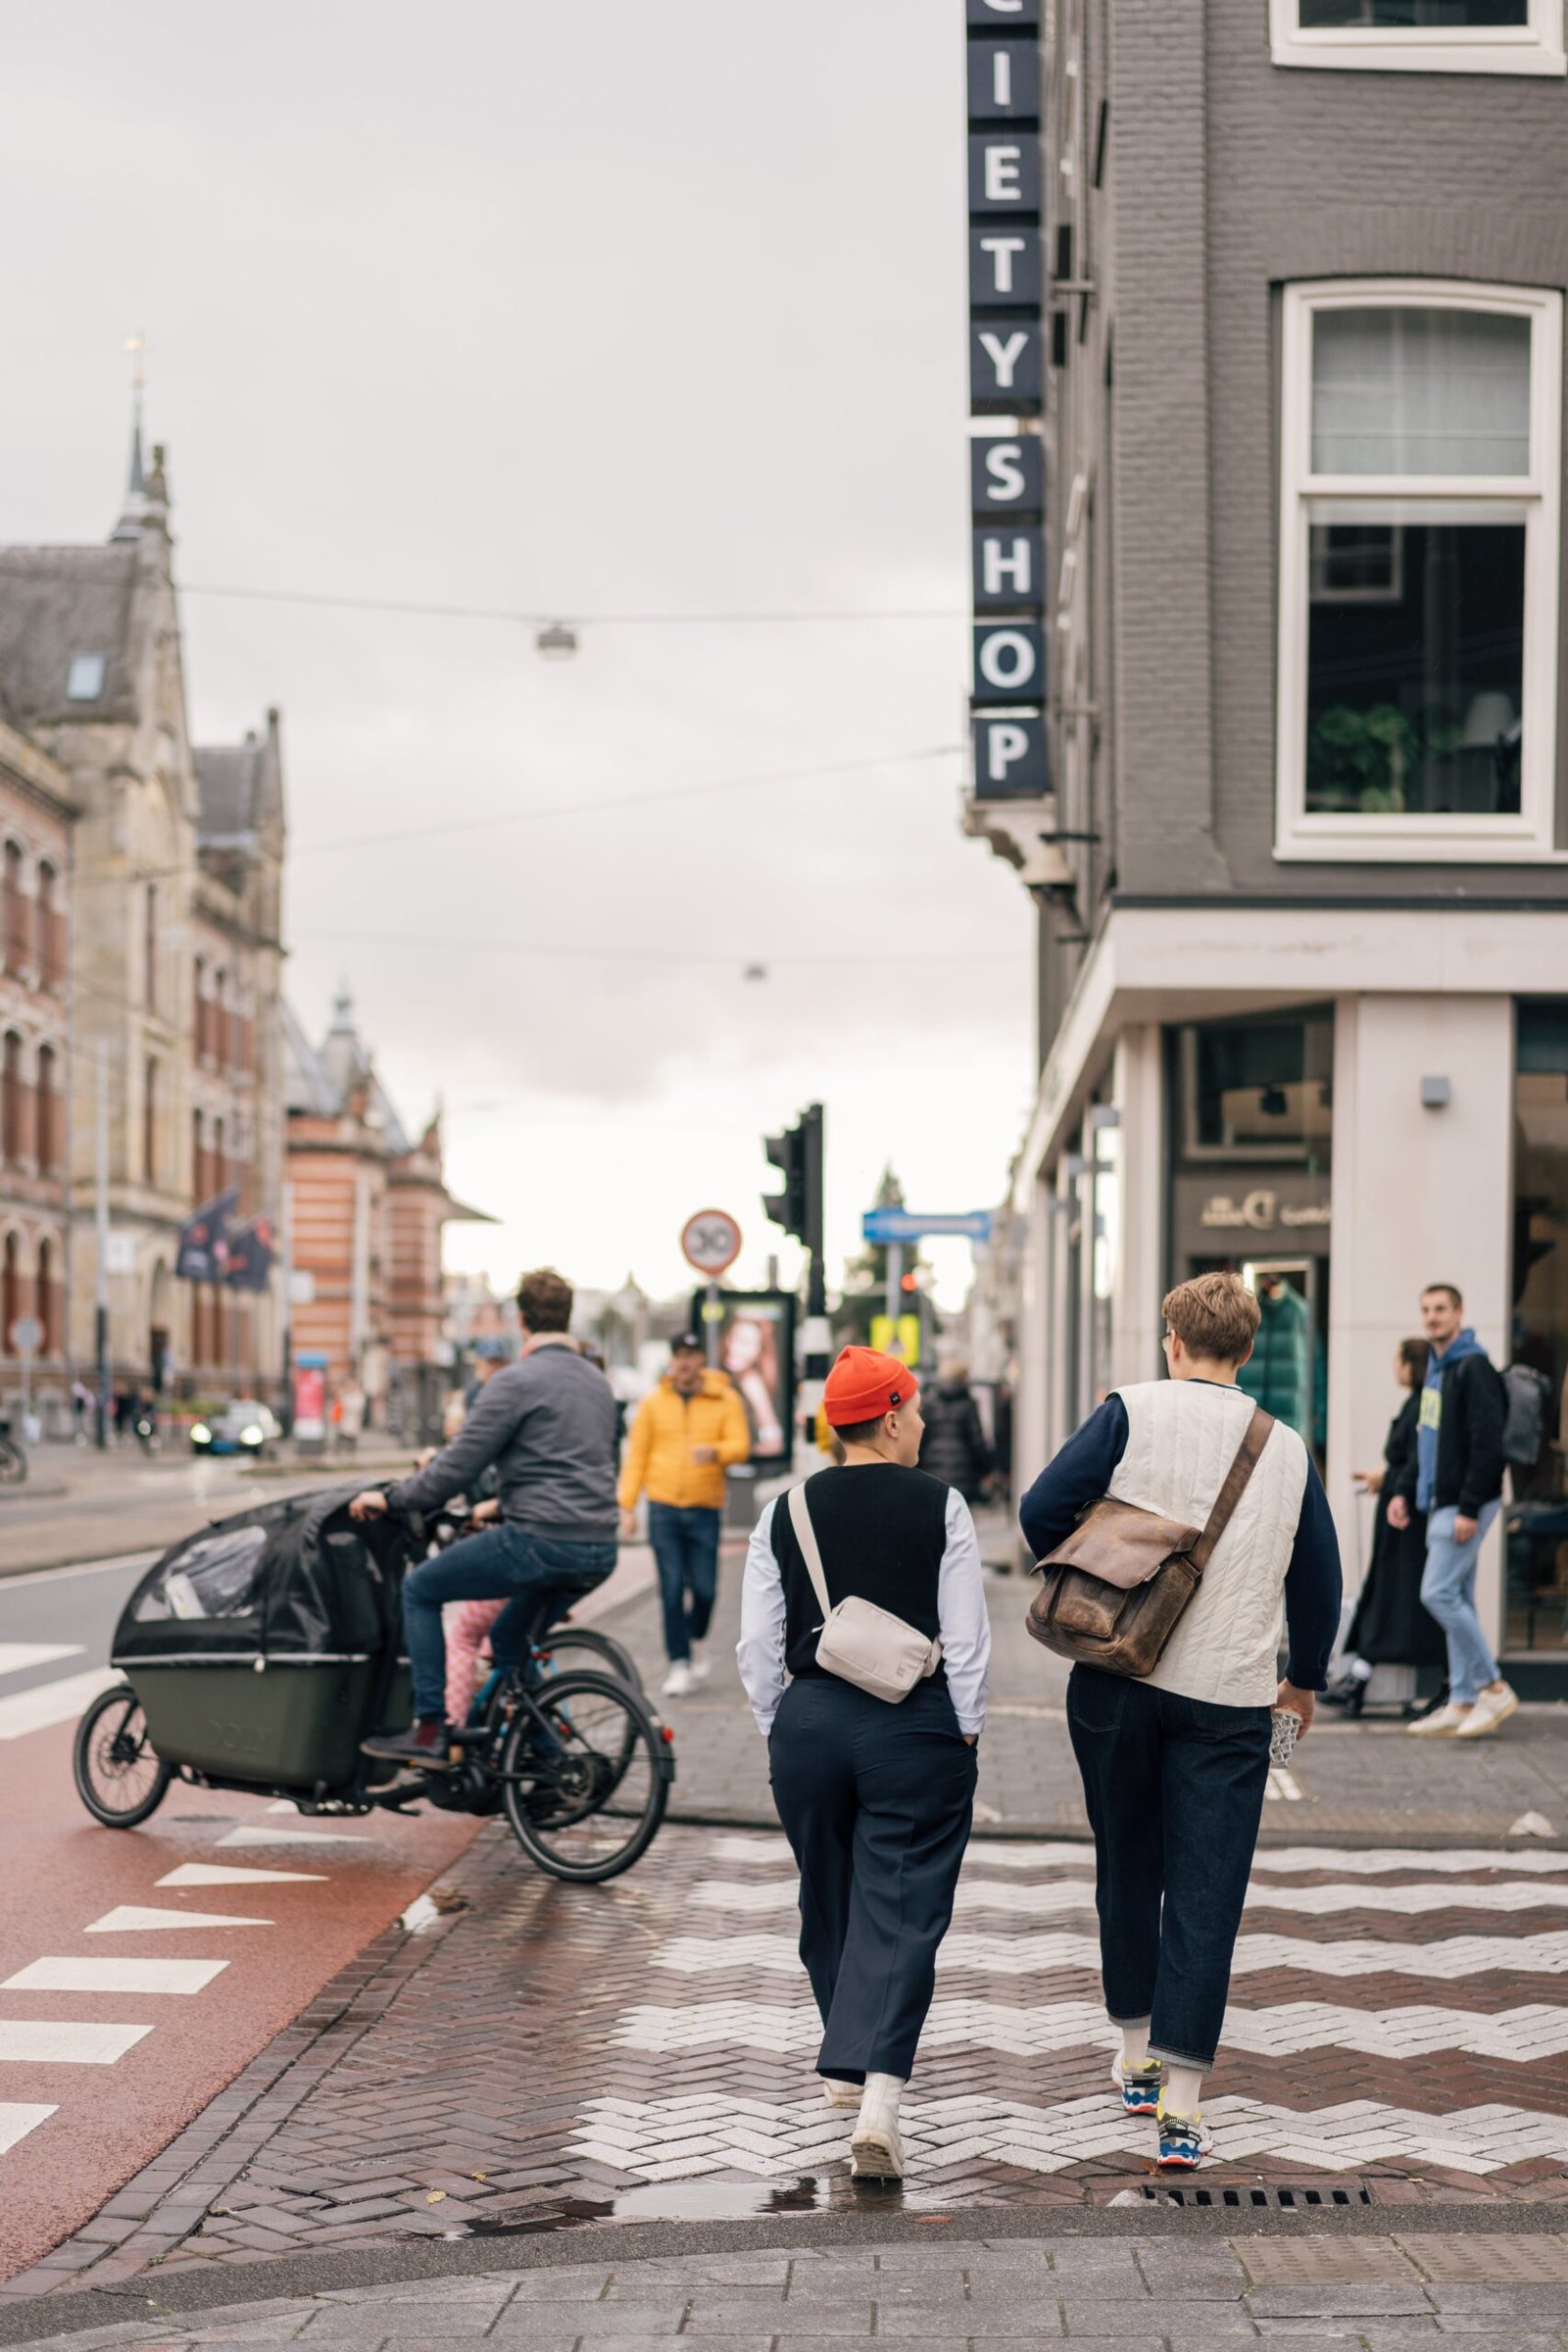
(1391,1628)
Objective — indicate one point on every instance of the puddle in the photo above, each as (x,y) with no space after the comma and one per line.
(709,2200)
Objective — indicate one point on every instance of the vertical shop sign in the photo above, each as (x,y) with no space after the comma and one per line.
(1007,380)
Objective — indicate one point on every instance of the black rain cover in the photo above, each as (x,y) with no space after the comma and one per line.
(291,1578)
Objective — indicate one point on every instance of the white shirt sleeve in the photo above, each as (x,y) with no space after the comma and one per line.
(962,1616)
(759,1652)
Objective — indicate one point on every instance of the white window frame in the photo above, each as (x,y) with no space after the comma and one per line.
(1454,838)
(1533,48)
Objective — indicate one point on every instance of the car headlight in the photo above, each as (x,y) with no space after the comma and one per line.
(200,1434)
(250,1436)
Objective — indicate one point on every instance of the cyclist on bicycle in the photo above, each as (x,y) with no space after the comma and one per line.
(548,1424)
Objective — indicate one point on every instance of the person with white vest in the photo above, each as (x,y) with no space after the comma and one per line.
(876,1794)
(1175,1764)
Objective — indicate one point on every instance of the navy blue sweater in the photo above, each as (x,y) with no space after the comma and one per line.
(1081,1474)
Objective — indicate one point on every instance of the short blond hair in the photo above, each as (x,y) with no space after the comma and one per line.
(1214,1315)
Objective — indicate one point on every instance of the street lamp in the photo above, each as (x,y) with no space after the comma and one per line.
(555,642)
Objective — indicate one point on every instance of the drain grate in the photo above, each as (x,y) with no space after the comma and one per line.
(1287,2200)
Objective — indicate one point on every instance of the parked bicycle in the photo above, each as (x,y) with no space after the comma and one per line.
(12,1457)
(259,1653)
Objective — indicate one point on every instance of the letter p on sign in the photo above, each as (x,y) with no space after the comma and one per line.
(1009,763)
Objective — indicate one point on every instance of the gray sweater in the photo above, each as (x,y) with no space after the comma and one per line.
(549,1425)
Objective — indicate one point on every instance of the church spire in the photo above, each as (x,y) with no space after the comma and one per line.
(134,511)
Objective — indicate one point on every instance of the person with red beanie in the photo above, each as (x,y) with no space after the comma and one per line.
(876,1798)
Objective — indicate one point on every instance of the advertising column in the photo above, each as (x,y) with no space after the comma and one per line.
(1006,381)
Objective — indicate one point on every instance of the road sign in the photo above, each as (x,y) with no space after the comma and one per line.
(900,1337)
(908,1225)
(26,1335)
(710,1241)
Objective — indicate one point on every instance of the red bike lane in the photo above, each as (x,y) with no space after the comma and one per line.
(141,1970)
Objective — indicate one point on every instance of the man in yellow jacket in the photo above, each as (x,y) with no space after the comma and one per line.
(687,1432)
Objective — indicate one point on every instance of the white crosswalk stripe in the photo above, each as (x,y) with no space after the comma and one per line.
(1073,1897)
(17,2119)
(17,1656)
(1022,1956)
(684,2137)
(136,1919)
(61,2042)
(226,1873)
(63,1972)
(48,1703)
(1338,1861)
(1523,2036)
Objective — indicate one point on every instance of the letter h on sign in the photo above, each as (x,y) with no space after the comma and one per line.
(1008,569)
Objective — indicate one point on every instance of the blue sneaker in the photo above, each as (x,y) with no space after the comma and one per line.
(1139,2086)
(1184,2141)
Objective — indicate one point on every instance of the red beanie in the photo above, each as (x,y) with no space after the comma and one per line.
(864,1384)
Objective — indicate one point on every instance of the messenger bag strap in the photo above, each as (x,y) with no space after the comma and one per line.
(810,1551)
(1230,1494)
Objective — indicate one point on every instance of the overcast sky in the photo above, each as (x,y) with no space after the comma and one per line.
(599,307)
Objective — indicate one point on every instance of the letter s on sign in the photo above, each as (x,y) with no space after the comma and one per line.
(1004,472)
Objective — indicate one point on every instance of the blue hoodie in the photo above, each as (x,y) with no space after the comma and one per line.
(1426,1436)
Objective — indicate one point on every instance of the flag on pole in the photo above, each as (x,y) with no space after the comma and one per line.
(204,1239)
(249,1264)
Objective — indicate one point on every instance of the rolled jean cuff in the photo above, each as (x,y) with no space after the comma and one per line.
(1129,2021)
(1203,2061)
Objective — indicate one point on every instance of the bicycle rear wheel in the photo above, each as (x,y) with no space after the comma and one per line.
(581,1649)
(118,1777)
(12,1463)
(586,1774)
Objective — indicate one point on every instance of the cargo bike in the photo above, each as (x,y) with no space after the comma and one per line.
(259,1653)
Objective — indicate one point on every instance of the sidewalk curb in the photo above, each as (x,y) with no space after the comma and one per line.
(231,2288)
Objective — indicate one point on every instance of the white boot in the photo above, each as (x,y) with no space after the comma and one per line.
(700,1668)
(876,2152)
(845,2095)
(678,1680)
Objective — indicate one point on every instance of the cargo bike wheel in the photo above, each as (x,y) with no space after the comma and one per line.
(118,1779)
(585,1773)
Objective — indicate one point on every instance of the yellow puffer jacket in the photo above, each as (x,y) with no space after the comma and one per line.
(668,1428)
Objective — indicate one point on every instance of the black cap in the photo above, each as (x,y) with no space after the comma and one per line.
(686,1339)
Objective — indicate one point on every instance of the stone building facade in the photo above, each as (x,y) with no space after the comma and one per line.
(1303,972)
(174,950)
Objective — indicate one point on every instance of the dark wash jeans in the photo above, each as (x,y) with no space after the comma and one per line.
(685,1541)
(500,1563)
(1175,1794)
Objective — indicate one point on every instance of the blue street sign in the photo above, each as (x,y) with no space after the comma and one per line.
(906,1225)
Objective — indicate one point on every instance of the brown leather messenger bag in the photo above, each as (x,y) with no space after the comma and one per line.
(1113,1594)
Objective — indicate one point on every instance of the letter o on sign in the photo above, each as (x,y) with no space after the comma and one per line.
(1009,661)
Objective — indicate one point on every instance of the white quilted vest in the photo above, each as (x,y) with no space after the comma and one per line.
(1182,1437)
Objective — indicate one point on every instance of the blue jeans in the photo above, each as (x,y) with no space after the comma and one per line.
(1449,1593)
(685,1545)
(1175,1794)
(500,1563)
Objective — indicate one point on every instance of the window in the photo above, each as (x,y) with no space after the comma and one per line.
(47,1119)
(1420,37)
(1418,587)
(149,1123)
(215,1575)
(149,950)
(84,680)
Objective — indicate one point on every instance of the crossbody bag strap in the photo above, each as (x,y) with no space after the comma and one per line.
(1248,1454)
(810,1551)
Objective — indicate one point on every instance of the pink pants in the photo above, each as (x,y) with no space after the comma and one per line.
(467,1625)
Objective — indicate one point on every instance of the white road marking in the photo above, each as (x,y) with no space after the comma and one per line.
(50,2041)
(234,1873)
(1283,1784)
(1522,2036)
(294,1838)
(1005,1853)
(131,1919)
(17,1656)
(59,1973)
(1005,1955)
(1071,1898)
(16,2120)
(678,2138)
(52,1576)
(52,1702)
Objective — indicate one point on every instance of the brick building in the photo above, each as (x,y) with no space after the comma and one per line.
(174,941)
(368,1204)
(1303,941)
(37,819)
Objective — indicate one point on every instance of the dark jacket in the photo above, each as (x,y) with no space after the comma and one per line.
(953,1448)
(548,1424)
(1391,1628)
(1468,1471)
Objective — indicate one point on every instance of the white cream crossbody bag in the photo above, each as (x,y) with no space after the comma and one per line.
(859,1643)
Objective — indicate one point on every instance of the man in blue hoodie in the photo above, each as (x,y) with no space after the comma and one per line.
(1457,1481)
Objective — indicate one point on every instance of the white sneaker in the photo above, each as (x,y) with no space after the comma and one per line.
(1441,1726)
(700,1666)
(678,1680)
(1492,1708)
(876,2153)
(841,2095)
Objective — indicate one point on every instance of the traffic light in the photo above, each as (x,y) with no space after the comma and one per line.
(788,1153)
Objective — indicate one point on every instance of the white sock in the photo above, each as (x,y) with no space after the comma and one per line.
(879,2102)
(1183,2089)
(1133,2043)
